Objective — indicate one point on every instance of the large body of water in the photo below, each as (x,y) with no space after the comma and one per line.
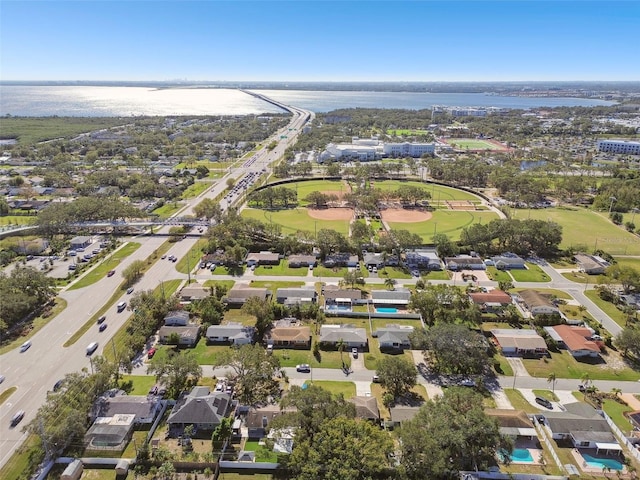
(94,101)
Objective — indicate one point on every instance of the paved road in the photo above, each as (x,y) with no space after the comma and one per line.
(35,371)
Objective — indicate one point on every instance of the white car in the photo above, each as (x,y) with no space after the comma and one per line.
(467,382)
(354,352)
(25,346)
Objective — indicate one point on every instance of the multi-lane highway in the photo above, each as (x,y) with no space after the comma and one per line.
(36,370)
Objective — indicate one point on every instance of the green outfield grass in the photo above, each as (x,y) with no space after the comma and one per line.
(472,144)
(587,230)
(438,192)
(296,219)
(449,222)
(306,187)
(629,262)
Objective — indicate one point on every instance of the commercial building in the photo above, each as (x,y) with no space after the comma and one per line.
(619,146)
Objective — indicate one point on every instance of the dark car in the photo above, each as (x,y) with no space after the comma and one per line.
(102,327)
(544,402)
(17,418)
(111,273)
(58,385)
(582,388)
(303,368)
(102,319)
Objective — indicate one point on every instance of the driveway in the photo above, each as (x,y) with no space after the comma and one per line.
(530,397)
(518,367)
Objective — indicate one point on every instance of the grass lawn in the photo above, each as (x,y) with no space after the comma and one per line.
(580,277)
(498,275)
(565,366)
(328,359)
(192,259)
(450,222)
(346,389)
(321,271)
(244,476)
(109,262)
(533,273)
(59,305)
(548,291)
(518,401)
(29,130)
(548,394)
(304,188)
(607,307)
(282,269)
(235,271)
(228,284)
(572,312)
(19,463)
(168,209)
(628,261)
(294,220)
(262,453)
(274,285)
(616,411)
(438,192)
(196,189)
(435,275)
(139,437)
(393,272)
(17,220)
(239,316)
(141,383)
(207,354)
(504,365)
(472,144)
(587,230)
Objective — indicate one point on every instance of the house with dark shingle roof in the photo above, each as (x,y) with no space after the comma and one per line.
(519,342)
(513,423)
(366,408)
(187,335)
(350,335)
(239,294)
(583,426)
(200,408)
(538,303)
(297,261)
(464,262)
(292,296)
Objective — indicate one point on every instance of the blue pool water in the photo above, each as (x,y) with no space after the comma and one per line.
(337,308)
(519,455)
(596,462)
(386,310)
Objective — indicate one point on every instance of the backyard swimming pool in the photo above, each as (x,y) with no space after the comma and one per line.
(595,462)
(386,310)
(337,308)
(519,455)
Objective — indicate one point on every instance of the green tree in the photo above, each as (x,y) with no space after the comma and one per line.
(628,341)
(133,272)
(466,439)
(343,448)
(254,372)
(262,309)
(397,375)
(177,371)
(223,430)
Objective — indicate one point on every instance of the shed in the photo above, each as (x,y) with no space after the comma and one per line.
(73,470)
(122,467)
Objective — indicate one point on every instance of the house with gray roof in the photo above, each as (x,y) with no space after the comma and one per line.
(230,333)
(177,318)
(583,426)
(298,261)
(371,259)
(538,303)
(292,296)
(195,291)
(591,264)
(145,408)
(352,336)
(79,242)
(509,262)
(366,408)
(262,258)
(391,298)
(338,295)
(394,337)
(423,258)
(464,262)
(187,336)
(341,260)
(239,294)
(200,408)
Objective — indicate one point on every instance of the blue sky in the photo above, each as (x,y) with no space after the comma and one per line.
(319,40)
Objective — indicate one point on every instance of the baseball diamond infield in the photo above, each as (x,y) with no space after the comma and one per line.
(400,215)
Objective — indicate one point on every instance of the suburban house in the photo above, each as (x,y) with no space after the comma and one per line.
(366,408)
(239,294)
(464,262)
(187,336)
(298,261)
(583,426)
(292,296)
(231,333)
(394,337)
(523,342)
(110,434)
(632,300)
(177,318)
(257,420)
(340,260)
(538,303)
(634,418)
(509,262)
(578,341)
(352,337)
(262,258)
(145,408)
(195,291)
(399,414)
(423,259)
(395,298)
(77,243)
(371,259)
(288,335)
(200,408)
(591,264)
(491,301)
(334,295)
(513,423)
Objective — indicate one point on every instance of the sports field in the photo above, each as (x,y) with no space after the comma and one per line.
(438,193)
(586,230)
(449,222)
(473,144)
(296,219)
(305,188)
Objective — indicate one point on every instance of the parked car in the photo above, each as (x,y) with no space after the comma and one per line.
(25,346)
(375,379)
(544,402)
(354,352)
(582,388)
(467,382)
(151,353)
(303,368)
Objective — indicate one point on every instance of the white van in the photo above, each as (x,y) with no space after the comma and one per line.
(92,347)
(121,306)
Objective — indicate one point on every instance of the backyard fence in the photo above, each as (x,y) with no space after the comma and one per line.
(621,437)
(542,434)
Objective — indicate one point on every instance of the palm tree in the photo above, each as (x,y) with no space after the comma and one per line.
(616,391)
(390,283)
(586,379)
(340,345)
(552,380)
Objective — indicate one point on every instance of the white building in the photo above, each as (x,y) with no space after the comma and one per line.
(350,151)
(619,146)
(407,149)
